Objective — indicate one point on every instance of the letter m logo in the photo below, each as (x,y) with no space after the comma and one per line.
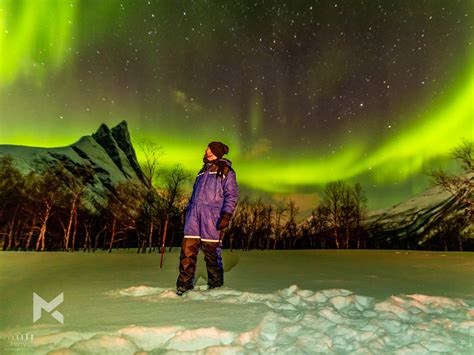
(39,304)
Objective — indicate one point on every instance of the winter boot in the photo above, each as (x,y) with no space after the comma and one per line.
(181,290)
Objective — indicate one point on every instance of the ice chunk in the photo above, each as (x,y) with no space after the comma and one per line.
(150,338)
(196,339)
(138,291)
(105,344)
(393,308)
(336,292)
(340,302)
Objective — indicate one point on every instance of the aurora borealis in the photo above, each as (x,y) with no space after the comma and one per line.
(303,92)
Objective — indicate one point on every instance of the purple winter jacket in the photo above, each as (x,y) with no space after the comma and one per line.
(212,196)
(216,191)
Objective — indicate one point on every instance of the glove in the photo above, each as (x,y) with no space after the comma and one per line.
(223,221)
(221,168)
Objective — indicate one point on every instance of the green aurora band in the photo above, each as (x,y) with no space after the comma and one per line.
(403,155)
(38,40)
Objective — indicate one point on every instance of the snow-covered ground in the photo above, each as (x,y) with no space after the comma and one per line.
(302,301)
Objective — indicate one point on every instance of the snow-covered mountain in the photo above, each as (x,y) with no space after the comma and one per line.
(409,222)
(418,216)
(107,152)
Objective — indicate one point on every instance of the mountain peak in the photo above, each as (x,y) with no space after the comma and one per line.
(103,130)
(108,152)
(115,139)
(121,126)
(122,136)
(119,133)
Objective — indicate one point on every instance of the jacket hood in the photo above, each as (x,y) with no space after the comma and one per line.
(227,161)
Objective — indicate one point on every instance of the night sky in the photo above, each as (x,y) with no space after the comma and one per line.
(303,92)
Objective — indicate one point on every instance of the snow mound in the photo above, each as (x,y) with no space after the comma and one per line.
(297,320)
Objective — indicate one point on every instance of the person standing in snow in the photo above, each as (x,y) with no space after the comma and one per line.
(209,211)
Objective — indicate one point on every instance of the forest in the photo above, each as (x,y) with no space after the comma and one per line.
(50,211)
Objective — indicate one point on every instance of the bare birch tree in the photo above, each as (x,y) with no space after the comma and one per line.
(331,208)
(12,192)
(123,210)
(461,187)
(151,153)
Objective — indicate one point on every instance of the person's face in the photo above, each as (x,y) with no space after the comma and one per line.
(209,155)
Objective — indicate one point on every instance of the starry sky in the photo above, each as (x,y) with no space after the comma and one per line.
(303,92)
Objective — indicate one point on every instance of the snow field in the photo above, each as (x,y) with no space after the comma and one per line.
(296,321)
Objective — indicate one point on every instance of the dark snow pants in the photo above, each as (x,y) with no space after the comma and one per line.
(188,260)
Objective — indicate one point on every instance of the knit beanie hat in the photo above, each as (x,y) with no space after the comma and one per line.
(218,149)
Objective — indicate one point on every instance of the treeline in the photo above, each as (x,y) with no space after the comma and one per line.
(52,210)
(336,222)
